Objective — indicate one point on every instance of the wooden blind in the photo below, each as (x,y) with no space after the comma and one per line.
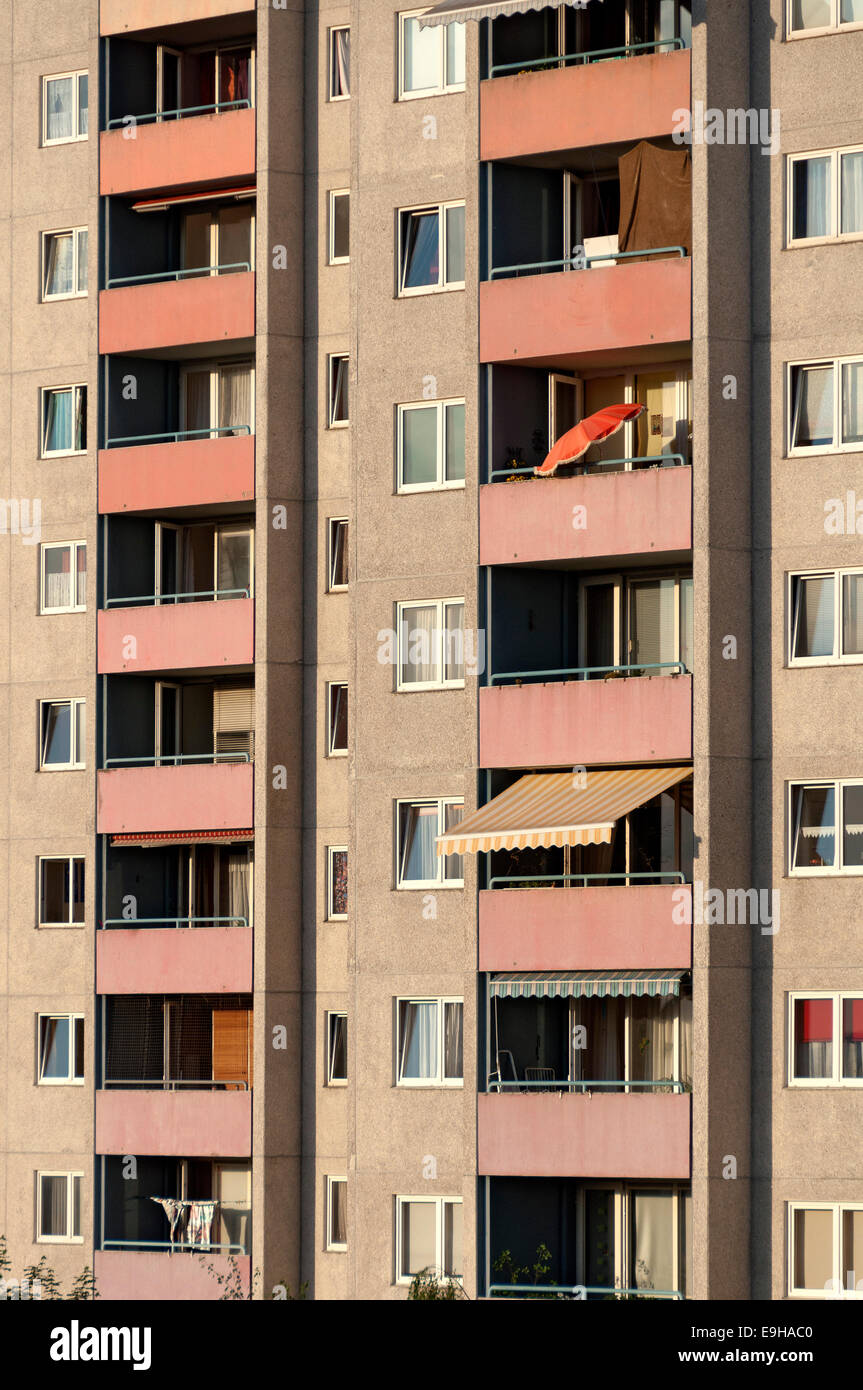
(232,1046)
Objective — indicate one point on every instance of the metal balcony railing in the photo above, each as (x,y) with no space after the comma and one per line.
(601,465)
(177,112)
(162,1083)
(160,599)
(593,55)
(132,922)
(172,759)
(584,261)
(179,1246)
(578,1291)
(585,672)
(200,272)
(495,1087)
(174,436)
(582,880)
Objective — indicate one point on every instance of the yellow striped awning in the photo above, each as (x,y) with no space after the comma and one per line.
(558,808)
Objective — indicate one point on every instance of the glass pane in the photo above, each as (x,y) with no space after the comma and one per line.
(599,1238)
(453,864)
(339,887)
(851,11)
(812,197)
(58,421)
(852,1044)
(54,894)
(419,446)
(813,1038)
(813,1249)
(59,108)
(852,831)
(338,718)
(455,55)
(852,191)
(814,814)
(52,1219)
(56,735)
(600,645)
(57,577)
(235,238)
(453,1056)
(810,14)
(81,576)
(657,426)
(812,395)
(168,720)
(421,57)
(83,241)
(418,1059)
(338,1047)
(59,264)
(196,241)
(813,634)
(419,1237)
(83,104)
(233,562)
(455,246)
(55,1048)
(852,403)
(852,1249)
(454,641)
(235,397)
(652,1241)
(77,890)
(78,1025)
(340,78)
(454,465)
(341,226)
(651,1038)
(686,610)
(76,1206)
(420,642)
(418,828)
(338,554)
(852,615)
(80,717)
(338,1224)
(234,73)
(197,401)
(452,1219)
(651,620)
(338,390)
(420,254)
(80,422)
(599,392)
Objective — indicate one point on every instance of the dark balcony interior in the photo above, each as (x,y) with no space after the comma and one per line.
(178,885)
(546,36)
(194,68)
(166,563)
(178,722)
(147,240)
(133,1220)
(160,399)
(177,1042)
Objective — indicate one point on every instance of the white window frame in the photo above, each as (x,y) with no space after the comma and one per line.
(438,1082)
(443,88)
(215,370)
(73,547)
(442,683)
(71,1079)
(442,286)
(826,870)
(682,373)
(835,233)
(69,1238)
(331,686)
(836,1079)
(440,1203)
(75,234)
(331,50)
(332,1014)
(332,359)
(332,1245)
(70,860)
(76,117)
(214,240)
(77,753)
(410,885)
(331,851)
(332,523)
(836,26)
(441,483)
(814,450)
(837,1208)
(76,387)
(622,1195)
(838,657)
(332,258)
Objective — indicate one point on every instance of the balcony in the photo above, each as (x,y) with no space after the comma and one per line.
(143,1275)
(198,151)
(207,311)
(129,16)
(188,797)
(616,926)
(528,113)
(631,720)
(204,1123)
(177,636)
(162,959)
(177,473)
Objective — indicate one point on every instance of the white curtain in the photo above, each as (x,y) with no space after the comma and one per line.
(419,830)
(852,614)
(813,406)
(812,215)
(235,397)
(813,619)
(60,105)
(58,578)
(54,1206)
(653,1254)
(58,421)
(419,645)
(852,402)
(59,266)
(651,1038)
(238,886)
(419,1041)
(342,56)
(852,189)
(453,1040)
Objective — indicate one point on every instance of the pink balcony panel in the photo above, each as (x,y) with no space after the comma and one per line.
(177,636)
(209,311)
(555,1135)
(570,108)
(642,927)
(202,1124)
(194,152)
(631,720)
(146,1275)
(130,16)
(193,796)
(174,960)
(644,513)
(576,318)
(191,473)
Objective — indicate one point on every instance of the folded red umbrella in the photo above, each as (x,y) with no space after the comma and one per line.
(593,430)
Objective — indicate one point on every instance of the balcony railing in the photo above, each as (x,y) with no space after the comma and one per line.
(580,1086)
(582,262)
(163,1083)
(178,598)
(178,112)
(173,759)
(174,436)
(586,672)
(131,923)
(593,55)
(582,880)
(622,465)
(579,1291)
(176,1247)
(193,272)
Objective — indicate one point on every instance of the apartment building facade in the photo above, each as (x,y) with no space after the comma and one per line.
(370,797)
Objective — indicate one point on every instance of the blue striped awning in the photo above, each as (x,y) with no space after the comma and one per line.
(584,984)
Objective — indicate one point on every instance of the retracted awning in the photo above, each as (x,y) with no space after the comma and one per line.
(555,809)
(205,195)
(457,11)
(586,984)
(148,838)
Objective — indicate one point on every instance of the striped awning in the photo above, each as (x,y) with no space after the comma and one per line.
(147,838)
(558,808)
(585,984)
(197,196)
(457,11)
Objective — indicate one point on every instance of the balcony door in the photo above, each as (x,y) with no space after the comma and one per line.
(169,711)
(232,1186)
(234,551)
(565,404)
(169,82)
(232,1048)
(599,622)
(218,240)
(217,399)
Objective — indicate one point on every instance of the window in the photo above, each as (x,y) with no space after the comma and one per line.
(430,645)
(431,249)
(64,420)
(429,1042)
(431,60)
(62,734)
(64,264)
(218,399)
(826,406)
(203,560)
(63,577)
(825,195)
(418,824)
(428,1236)
(64,108)
(61,891)
(61,1049)
(337,882)
(340,227)
(219,241)
(340,64)
(58,1207)
(337,719)
(640,622)
(820,16)
(825,1034)
(825,1249)
(337,390)
(826,825)
(430,446)
(337,553)
(337,1049)
(337,1200)
(825,611)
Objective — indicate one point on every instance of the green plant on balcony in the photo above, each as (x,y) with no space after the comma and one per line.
(234,1289)
(426,1285)
(537,1273)
(514,454)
